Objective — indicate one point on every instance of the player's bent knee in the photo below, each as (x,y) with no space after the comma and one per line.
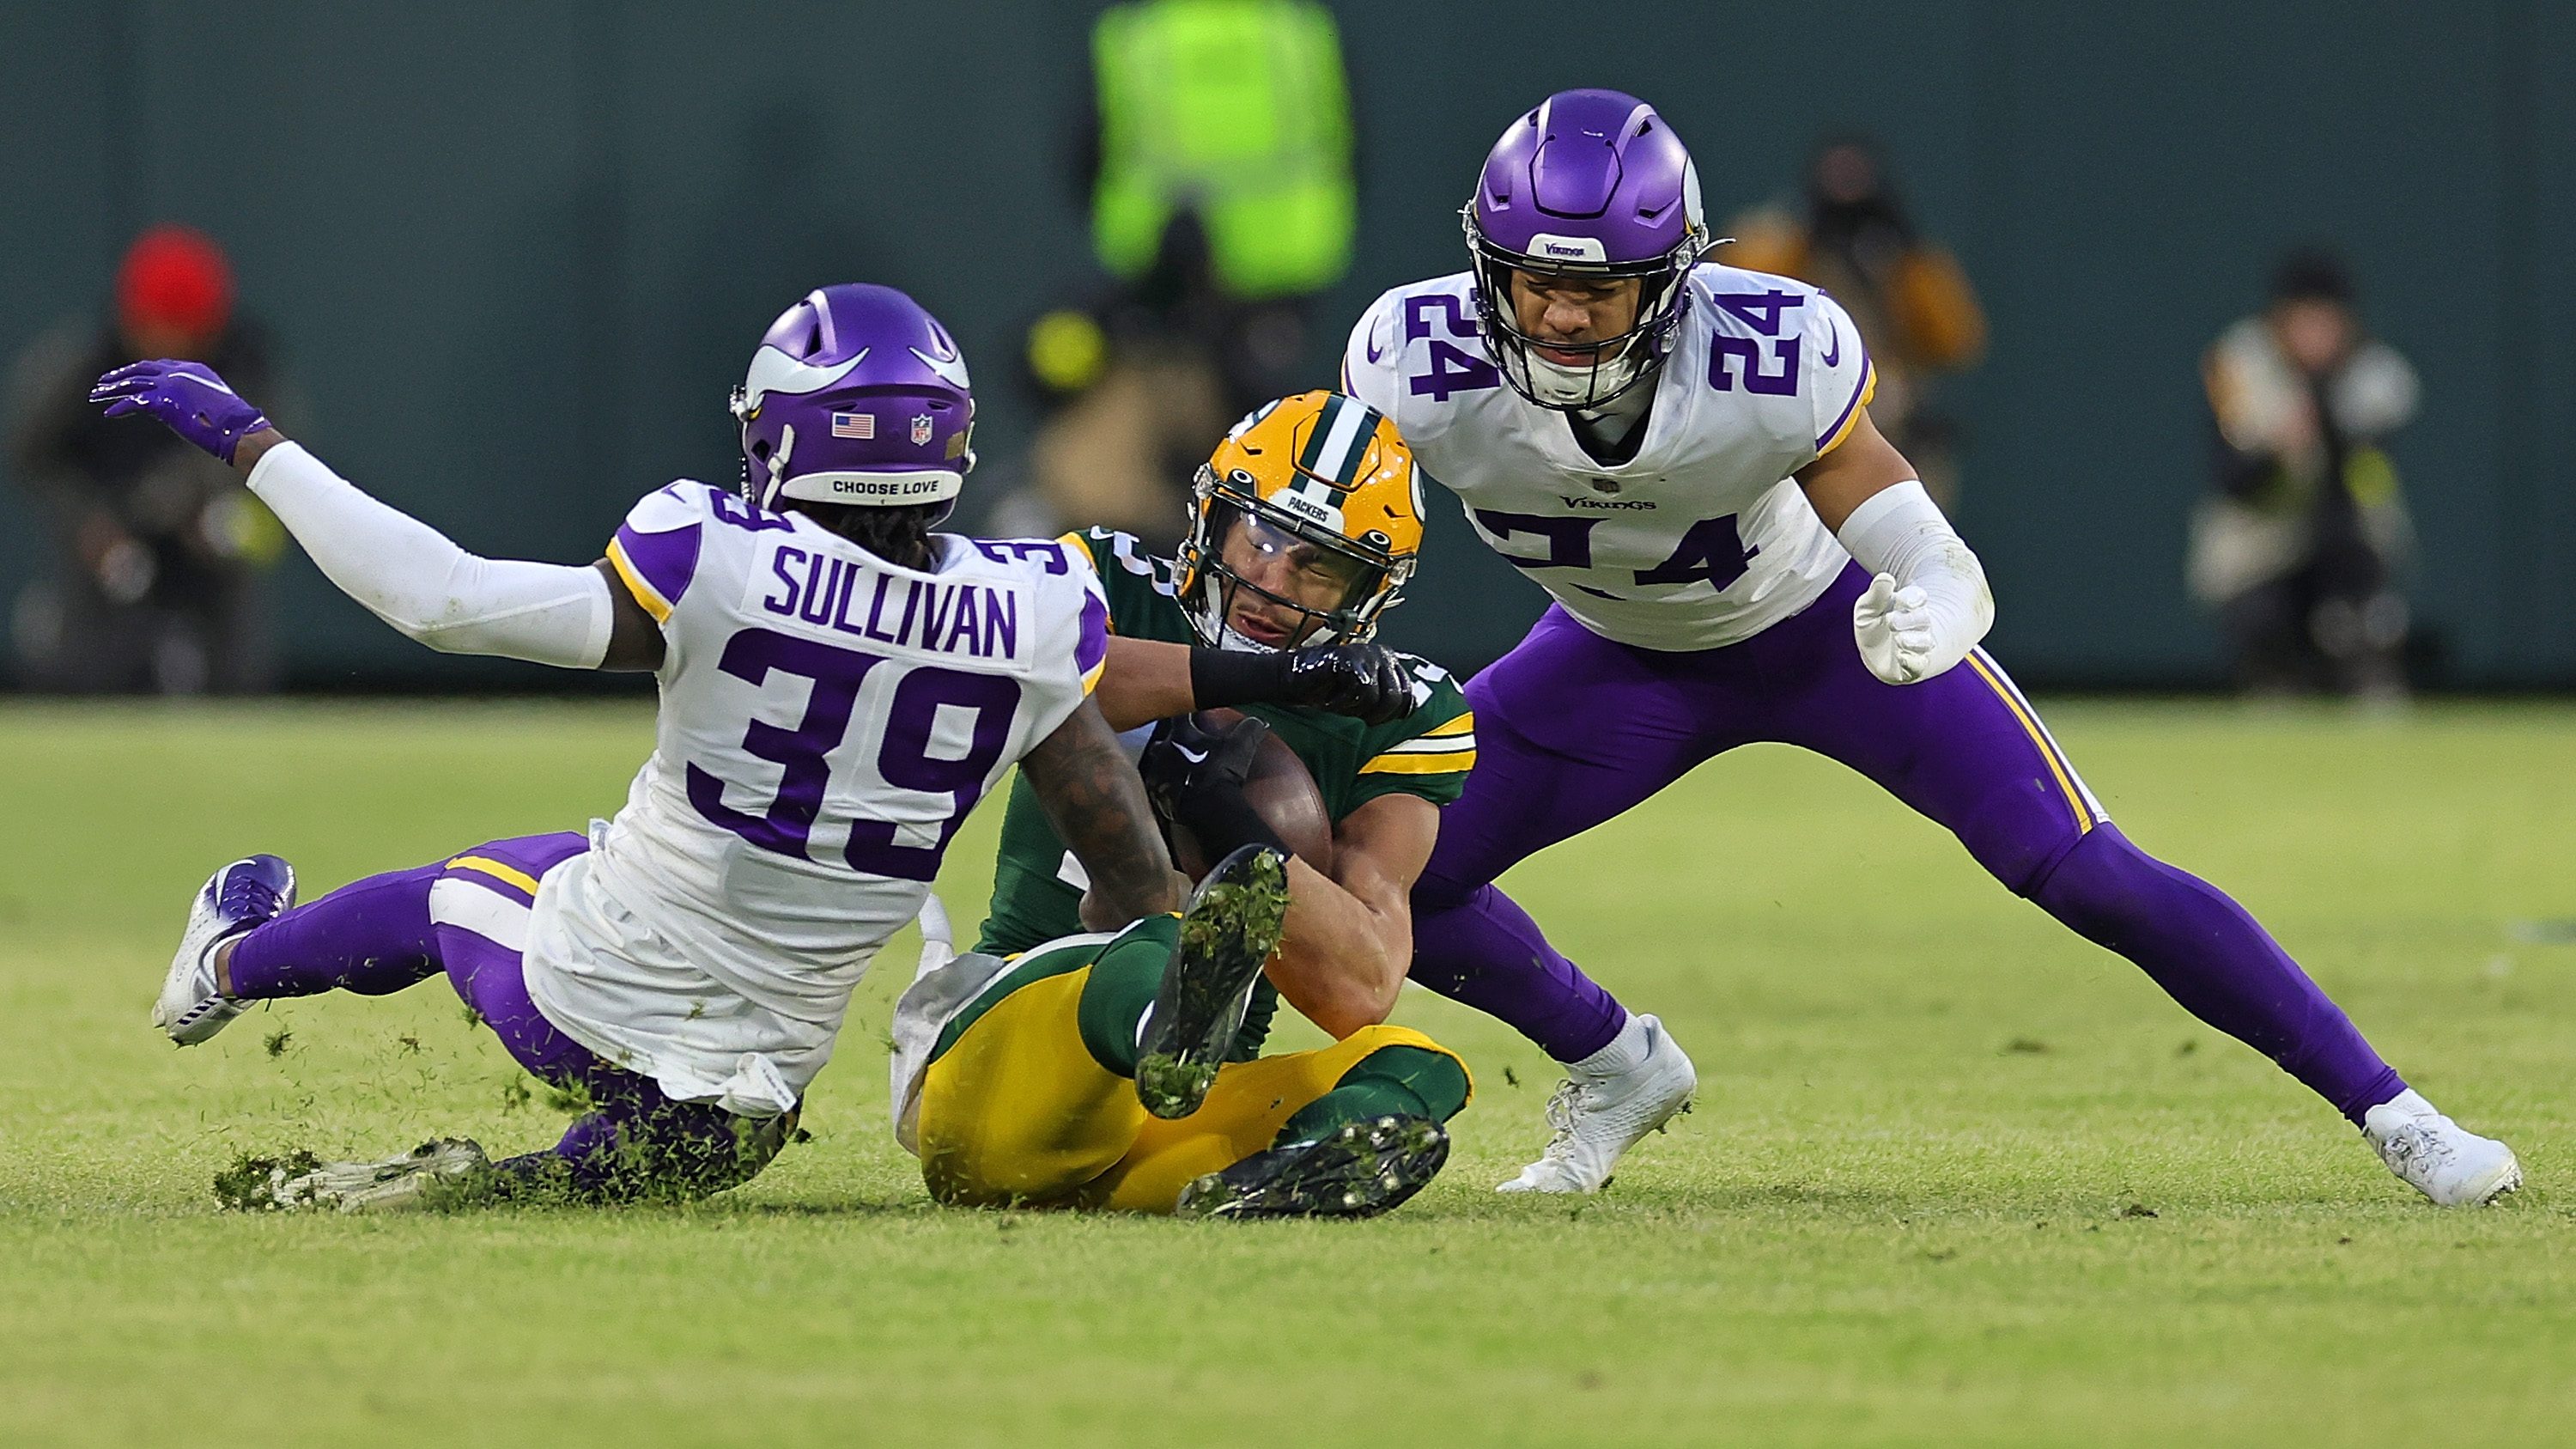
(2101,884)
(677,1152)
(2018,854)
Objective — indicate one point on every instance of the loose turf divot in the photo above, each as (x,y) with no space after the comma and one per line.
(249,1184)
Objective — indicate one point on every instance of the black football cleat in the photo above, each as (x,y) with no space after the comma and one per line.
(1230,927)
(1357,1170)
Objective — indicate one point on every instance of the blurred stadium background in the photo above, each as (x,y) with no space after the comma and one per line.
(514,255)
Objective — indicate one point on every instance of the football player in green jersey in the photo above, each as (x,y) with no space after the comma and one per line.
(1049,1067)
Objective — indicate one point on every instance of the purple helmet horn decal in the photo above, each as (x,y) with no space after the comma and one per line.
(856,396)
(1594,185)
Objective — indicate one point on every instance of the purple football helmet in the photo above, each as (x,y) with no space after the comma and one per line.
(1592,184)
(856,396)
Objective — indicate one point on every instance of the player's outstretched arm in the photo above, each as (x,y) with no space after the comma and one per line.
(1148,680)
(1928,603)
(402,570)
(1097,804)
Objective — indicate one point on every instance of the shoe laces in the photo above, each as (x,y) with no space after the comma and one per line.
(1562,1104)
(247,897)
(2418,1144)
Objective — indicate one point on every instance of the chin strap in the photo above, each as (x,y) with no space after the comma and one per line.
(1548,382)
(778,465)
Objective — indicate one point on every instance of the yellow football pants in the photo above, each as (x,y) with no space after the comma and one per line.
(1016,1112)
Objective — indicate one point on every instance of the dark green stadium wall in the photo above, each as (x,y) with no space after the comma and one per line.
(517,253)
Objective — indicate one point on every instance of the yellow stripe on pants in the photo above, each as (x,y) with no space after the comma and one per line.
(2030,726)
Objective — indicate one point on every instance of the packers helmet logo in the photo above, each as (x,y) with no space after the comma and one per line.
(1298,501)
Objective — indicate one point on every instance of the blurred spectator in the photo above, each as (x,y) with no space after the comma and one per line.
(154,586)
(1129,421)
(1214,156)
(2302,542)
(1912,303)
(1217,162)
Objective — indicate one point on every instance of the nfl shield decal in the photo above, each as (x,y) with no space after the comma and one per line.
(920,429)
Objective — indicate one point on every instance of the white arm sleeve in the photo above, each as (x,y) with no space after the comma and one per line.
(1942,605)
(409,575)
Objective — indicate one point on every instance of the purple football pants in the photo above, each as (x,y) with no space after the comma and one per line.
(377,936)
(1572,729)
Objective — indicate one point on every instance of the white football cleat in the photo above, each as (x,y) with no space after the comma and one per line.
(242,895)
(397,1184)
(2437,1156)
(1599,1115)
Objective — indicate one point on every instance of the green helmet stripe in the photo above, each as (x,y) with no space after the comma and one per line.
(1340,443)
(1311,459)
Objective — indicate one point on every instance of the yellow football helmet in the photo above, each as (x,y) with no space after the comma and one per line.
(1321,481)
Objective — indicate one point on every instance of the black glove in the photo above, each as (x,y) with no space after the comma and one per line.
(1194,777)
(1364,681)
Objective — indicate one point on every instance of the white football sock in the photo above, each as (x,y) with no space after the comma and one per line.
(1625,1053)
(2412,1103)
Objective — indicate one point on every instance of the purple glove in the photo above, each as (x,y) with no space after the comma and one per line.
(188,399)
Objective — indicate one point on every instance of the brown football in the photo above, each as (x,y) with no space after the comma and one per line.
(1284,794)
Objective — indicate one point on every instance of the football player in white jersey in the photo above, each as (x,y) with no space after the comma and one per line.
(1681,454)
(839,685)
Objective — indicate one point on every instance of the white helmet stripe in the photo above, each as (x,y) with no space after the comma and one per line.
(951,369)
(1334,460)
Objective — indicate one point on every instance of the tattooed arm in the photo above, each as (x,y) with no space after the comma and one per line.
(1098,808)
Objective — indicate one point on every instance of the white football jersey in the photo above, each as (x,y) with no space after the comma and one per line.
(827,719)
(1702,539)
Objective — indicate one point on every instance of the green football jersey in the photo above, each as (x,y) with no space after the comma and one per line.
(1037,884)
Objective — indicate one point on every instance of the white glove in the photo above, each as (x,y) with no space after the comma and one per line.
(1895,631)
(1927,604)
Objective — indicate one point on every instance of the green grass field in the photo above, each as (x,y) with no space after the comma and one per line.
(1955,1176)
